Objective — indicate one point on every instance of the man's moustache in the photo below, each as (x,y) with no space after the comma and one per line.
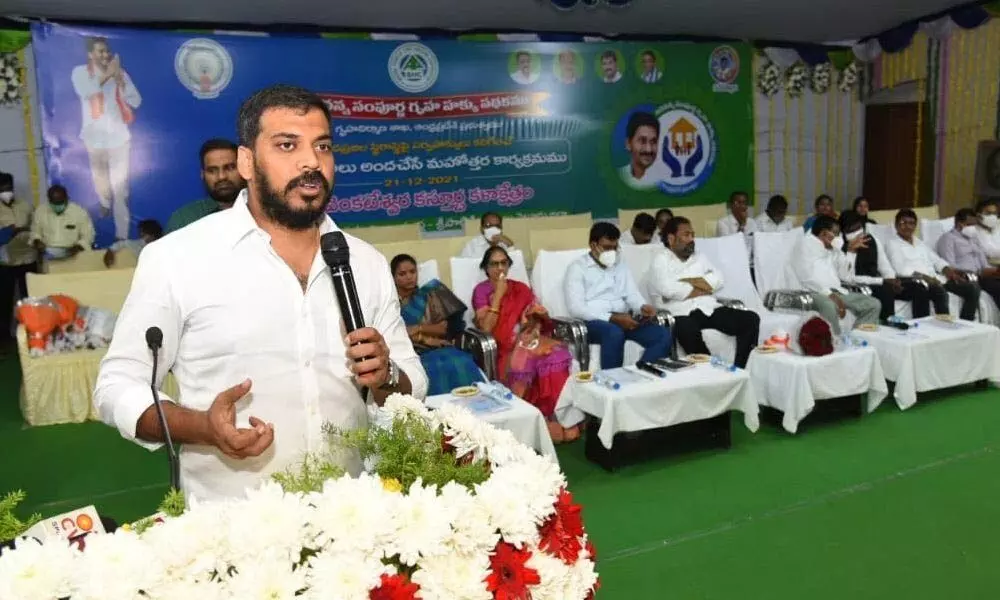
(313,178)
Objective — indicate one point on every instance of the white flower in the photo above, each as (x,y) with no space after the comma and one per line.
(194,545)
(518,497)
(422,525)
(35,571)
(267,521)
(345,576)
(471,529)
(353,515)
(115,567)
(266,579)
(454,577)
(399,405)
(185,589)
(555,576)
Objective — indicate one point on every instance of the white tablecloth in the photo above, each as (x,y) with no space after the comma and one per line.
(792,383)
(936,355)
(522,419)
(693,394)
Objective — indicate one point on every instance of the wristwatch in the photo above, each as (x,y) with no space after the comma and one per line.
(392,381)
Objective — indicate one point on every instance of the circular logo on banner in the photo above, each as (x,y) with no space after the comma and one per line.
(688,149)
(724,66)
(204,67)
(413,67)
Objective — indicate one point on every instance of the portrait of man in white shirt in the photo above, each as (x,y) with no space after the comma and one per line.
(526,71)
(566,71)
(650,71)
(108,100)
(252,330)
(642,140)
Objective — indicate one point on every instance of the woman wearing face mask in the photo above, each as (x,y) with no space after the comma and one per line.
(988,231)
(532,364)
(868,265)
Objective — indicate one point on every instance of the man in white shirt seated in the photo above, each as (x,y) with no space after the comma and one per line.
(600,290)
(642,231)
(491,234)
(251,328)
(774,217)
(988,231)
(683,282)
(960,248)
(738,221)
(910,257)
(819,265)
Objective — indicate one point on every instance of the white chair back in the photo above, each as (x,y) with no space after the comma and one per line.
(466,275)
(639,259)
(729,255)
(773,252)
(881,233)
(548,275)
(931,231)
(426,271)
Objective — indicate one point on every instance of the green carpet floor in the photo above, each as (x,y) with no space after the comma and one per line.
(894,505)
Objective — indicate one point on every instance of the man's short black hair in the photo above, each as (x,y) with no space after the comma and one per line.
(982,204)
(212,145)
(777,202)
(95,40)
(152,227)
(641,119)
(738,193)
(823,223)
(664,211)
(850,218)
(275,96)
(56,189)
(603,229)
(905,213)
(486,215)
(820,199)
(645,223)
(6,179)
(673,225)
(964,214)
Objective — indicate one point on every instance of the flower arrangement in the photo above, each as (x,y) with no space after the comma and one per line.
(795,80)
(10,79)
(769,79)
(450,508)
(849,76)
(822,75)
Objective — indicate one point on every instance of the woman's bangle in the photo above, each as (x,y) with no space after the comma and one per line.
(495,311)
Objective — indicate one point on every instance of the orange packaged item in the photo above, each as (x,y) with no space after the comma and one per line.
(40,317)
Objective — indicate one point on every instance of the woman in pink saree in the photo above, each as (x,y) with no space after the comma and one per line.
(529,361)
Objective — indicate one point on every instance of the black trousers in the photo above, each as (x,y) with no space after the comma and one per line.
(991,285)
(744,325)
(12,279)
(966,290)
(918,295)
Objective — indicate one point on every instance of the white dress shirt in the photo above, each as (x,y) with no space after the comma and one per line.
(230,309)
(819,269)
(766,224)
(477,247)
(668,292)
(593,293)
(728,225)
(989,239)
(627,237)
(909,258)
(107,129)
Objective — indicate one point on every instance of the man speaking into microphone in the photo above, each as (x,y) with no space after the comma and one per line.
(251,325)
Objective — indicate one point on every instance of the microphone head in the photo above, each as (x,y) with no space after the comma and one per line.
(154,337)
(335,251)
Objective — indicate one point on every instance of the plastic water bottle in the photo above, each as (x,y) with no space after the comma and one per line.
(495,390)
(605,381)
(719,363)
(849,341)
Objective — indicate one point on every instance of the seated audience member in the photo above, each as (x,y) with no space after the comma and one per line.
(662,216)
(820,265)
(869,265)
(641,233)
(910,257)
(961,249)
(62,226)
(684,282)
(775,218)
(17,256)
(600,290)
(738,220)
(222,181)
(862,207)
(491,234)
(150,230)
(823,207)
(529,361)
(988,231)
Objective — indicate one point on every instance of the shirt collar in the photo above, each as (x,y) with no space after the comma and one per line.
(239,223)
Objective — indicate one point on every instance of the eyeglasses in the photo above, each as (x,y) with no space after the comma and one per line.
(498,264)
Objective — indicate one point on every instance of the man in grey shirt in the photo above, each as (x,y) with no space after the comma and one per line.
(961,248)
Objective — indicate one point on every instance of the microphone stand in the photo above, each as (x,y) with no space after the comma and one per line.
(175,471)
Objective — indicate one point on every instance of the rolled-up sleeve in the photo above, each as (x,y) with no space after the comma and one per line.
(123,393)
(389,322)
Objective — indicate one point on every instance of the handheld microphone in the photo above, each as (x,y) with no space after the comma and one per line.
(337,256)
(649,368)
(154,340)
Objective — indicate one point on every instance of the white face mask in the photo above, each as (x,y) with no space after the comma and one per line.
(854,235)
(969,231)
(6,196)
(490,232)
(838,243)
(990,220)
(608,258)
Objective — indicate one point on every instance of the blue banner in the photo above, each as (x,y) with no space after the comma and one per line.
(426,131)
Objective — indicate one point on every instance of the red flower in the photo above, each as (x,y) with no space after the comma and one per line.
(569,513)
(591,551)
(562,531)
(395,587)
(816,338)
(510,578)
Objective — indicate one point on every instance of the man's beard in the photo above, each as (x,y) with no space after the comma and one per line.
(277,208)
(225,195)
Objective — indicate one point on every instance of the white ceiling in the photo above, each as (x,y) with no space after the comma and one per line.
(788,20)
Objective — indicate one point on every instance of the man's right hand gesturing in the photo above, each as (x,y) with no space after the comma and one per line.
(236,442)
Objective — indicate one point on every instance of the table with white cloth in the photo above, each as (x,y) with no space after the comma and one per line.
(522,419)
(645,402)
(792,383)
(935,354)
